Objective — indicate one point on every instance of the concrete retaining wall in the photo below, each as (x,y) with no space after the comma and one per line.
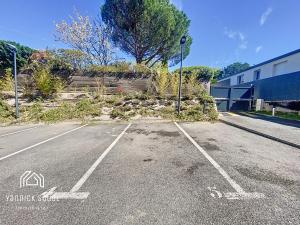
(112,84)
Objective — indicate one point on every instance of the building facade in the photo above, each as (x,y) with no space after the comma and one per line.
(277,79)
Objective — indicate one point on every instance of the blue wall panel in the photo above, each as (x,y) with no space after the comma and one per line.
(279,88)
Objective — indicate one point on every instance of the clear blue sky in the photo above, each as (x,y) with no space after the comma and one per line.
(223,31)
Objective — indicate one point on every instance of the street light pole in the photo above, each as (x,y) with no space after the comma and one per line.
(182,42)
(16,79)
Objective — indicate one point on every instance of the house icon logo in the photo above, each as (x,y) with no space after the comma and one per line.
(31,179)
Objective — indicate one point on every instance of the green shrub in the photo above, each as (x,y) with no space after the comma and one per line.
(101,89)
(6,112)
(120,67)
(119,113)
(145,112)
(204,98)
(113,100)
(34,112)
(46,84)
(66,111)
(213,115)
(194,113)
(7,82)
(174,83)
(142,96)
(190,85)
(63,112)
(86,108)
(129,97)
(162,80)
(141,69)
(60,68)
(167,113)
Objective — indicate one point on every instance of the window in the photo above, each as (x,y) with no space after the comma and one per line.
(256,75)
(240,79)
(279,68)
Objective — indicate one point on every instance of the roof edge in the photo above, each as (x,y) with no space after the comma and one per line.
(265,62)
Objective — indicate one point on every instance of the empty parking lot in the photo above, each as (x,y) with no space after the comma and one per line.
(146,173)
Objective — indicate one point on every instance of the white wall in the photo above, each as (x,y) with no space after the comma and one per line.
(267,70)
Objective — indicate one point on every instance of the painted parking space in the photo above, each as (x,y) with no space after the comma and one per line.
(239,193)
(27,138)
(11,130)
(153,168)
(61,161)
(258,164)
(160,177)
(154,174)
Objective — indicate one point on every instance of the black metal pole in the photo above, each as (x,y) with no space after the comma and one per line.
(180,81)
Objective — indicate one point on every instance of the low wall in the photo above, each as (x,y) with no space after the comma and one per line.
(112,84)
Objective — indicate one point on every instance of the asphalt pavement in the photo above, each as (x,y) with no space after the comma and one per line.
(146,173)
(285,130)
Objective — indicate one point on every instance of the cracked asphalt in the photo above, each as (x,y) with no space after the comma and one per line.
(152,174)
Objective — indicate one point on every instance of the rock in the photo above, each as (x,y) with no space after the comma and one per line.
(135,102)
(129,102)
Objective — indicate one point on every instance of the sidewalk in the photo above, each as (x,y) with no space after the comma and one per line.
(272,128)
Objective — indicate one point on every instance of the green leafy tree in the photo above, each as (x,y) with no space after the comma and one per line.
(6,55)
(175,53)
(234,68)
(148,30)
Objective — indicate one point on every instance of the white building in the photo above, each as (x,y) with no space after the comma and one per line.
(282,65)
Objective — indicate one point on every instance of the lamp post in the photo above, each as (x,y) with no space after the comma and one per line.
(182,43)
(14,49)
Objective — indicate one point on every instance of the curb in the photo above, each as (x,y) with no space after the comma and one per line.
(261,134)
(269,116)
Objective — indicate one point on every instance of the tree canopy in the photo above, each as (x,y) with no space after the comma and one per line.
(89,36)
(149,30)
(6,55)
(234,68)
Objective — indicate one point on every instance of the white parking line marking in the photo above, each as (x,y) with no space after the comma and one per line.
(51,194)
(240,193)
(19,131)
(98,161)
(73,194)
(40,143)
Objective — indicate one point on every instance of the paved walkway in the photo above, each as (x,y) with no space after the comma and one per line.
(278,128)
